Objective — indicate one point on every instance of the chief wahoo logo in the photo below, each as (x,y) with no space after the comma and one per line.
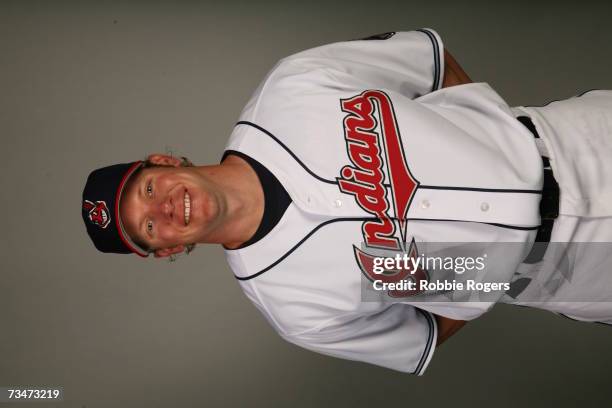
(98,213)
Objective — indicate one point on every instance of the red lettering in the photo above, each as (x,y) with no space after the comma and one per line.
(365,157)
(380,233)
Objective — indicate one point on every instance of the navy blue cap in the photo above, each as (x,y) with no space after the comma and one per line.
(100,209)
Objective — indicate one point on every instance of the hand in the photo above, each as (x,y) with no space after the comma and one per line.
(453,73)
(447,327)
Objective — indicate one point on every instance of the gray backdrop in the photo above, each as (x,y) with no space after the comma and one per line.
(84,85)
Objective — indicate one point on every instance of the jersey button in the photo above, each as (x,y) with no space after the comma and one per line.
(484,207)
(425,204)
(338,203)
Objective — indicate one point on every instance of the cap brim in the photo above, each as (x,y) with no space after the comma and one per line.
(125,237)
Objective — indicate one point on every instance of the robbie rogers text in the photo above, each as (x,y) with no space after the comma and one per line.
(470,285)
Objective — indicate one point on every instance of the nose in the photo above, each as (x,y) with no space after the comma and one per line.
(163,208)
(167,207)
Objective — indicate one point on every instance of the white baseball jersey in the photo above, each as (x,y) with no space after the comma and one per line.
(574,278)
(374,155)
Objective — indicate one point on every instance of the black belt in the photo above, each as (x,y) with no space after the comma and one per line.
(549,204)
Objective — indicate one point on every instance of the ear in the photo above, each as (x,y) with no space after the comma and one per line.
(164,160)
(166,252)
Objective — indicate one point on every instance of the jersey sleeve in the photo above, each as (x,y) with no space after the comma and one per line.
(401,337)
(411,63)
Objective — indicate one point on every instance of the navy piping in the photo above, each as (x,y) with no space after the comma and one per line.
(559,100)
(436,51)
(490,190)
(315,229)
(244,122)
(286,254)
(584,321)
(427,350)
(514,227)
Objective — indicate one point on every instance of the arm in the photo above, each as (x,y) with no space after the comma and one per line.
(453,73)
(447,327)
(400,337)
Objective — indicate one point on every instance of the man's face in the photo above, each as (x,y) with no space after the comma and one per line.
(169,207)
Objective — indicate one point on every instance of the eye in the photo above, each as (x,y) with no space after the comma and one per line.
(149,189)
(149,226)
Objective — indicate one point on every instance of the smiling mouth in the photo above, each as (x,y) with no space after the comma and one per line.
(187,207)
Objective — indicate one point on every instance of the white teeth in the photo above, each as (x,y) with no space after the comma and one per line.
(187,202)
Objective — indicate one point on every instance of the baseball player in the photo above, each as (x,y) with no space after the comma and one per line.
(360,148)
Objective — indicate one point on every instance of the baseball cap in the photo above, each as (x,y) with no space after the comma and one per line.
(100,208)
